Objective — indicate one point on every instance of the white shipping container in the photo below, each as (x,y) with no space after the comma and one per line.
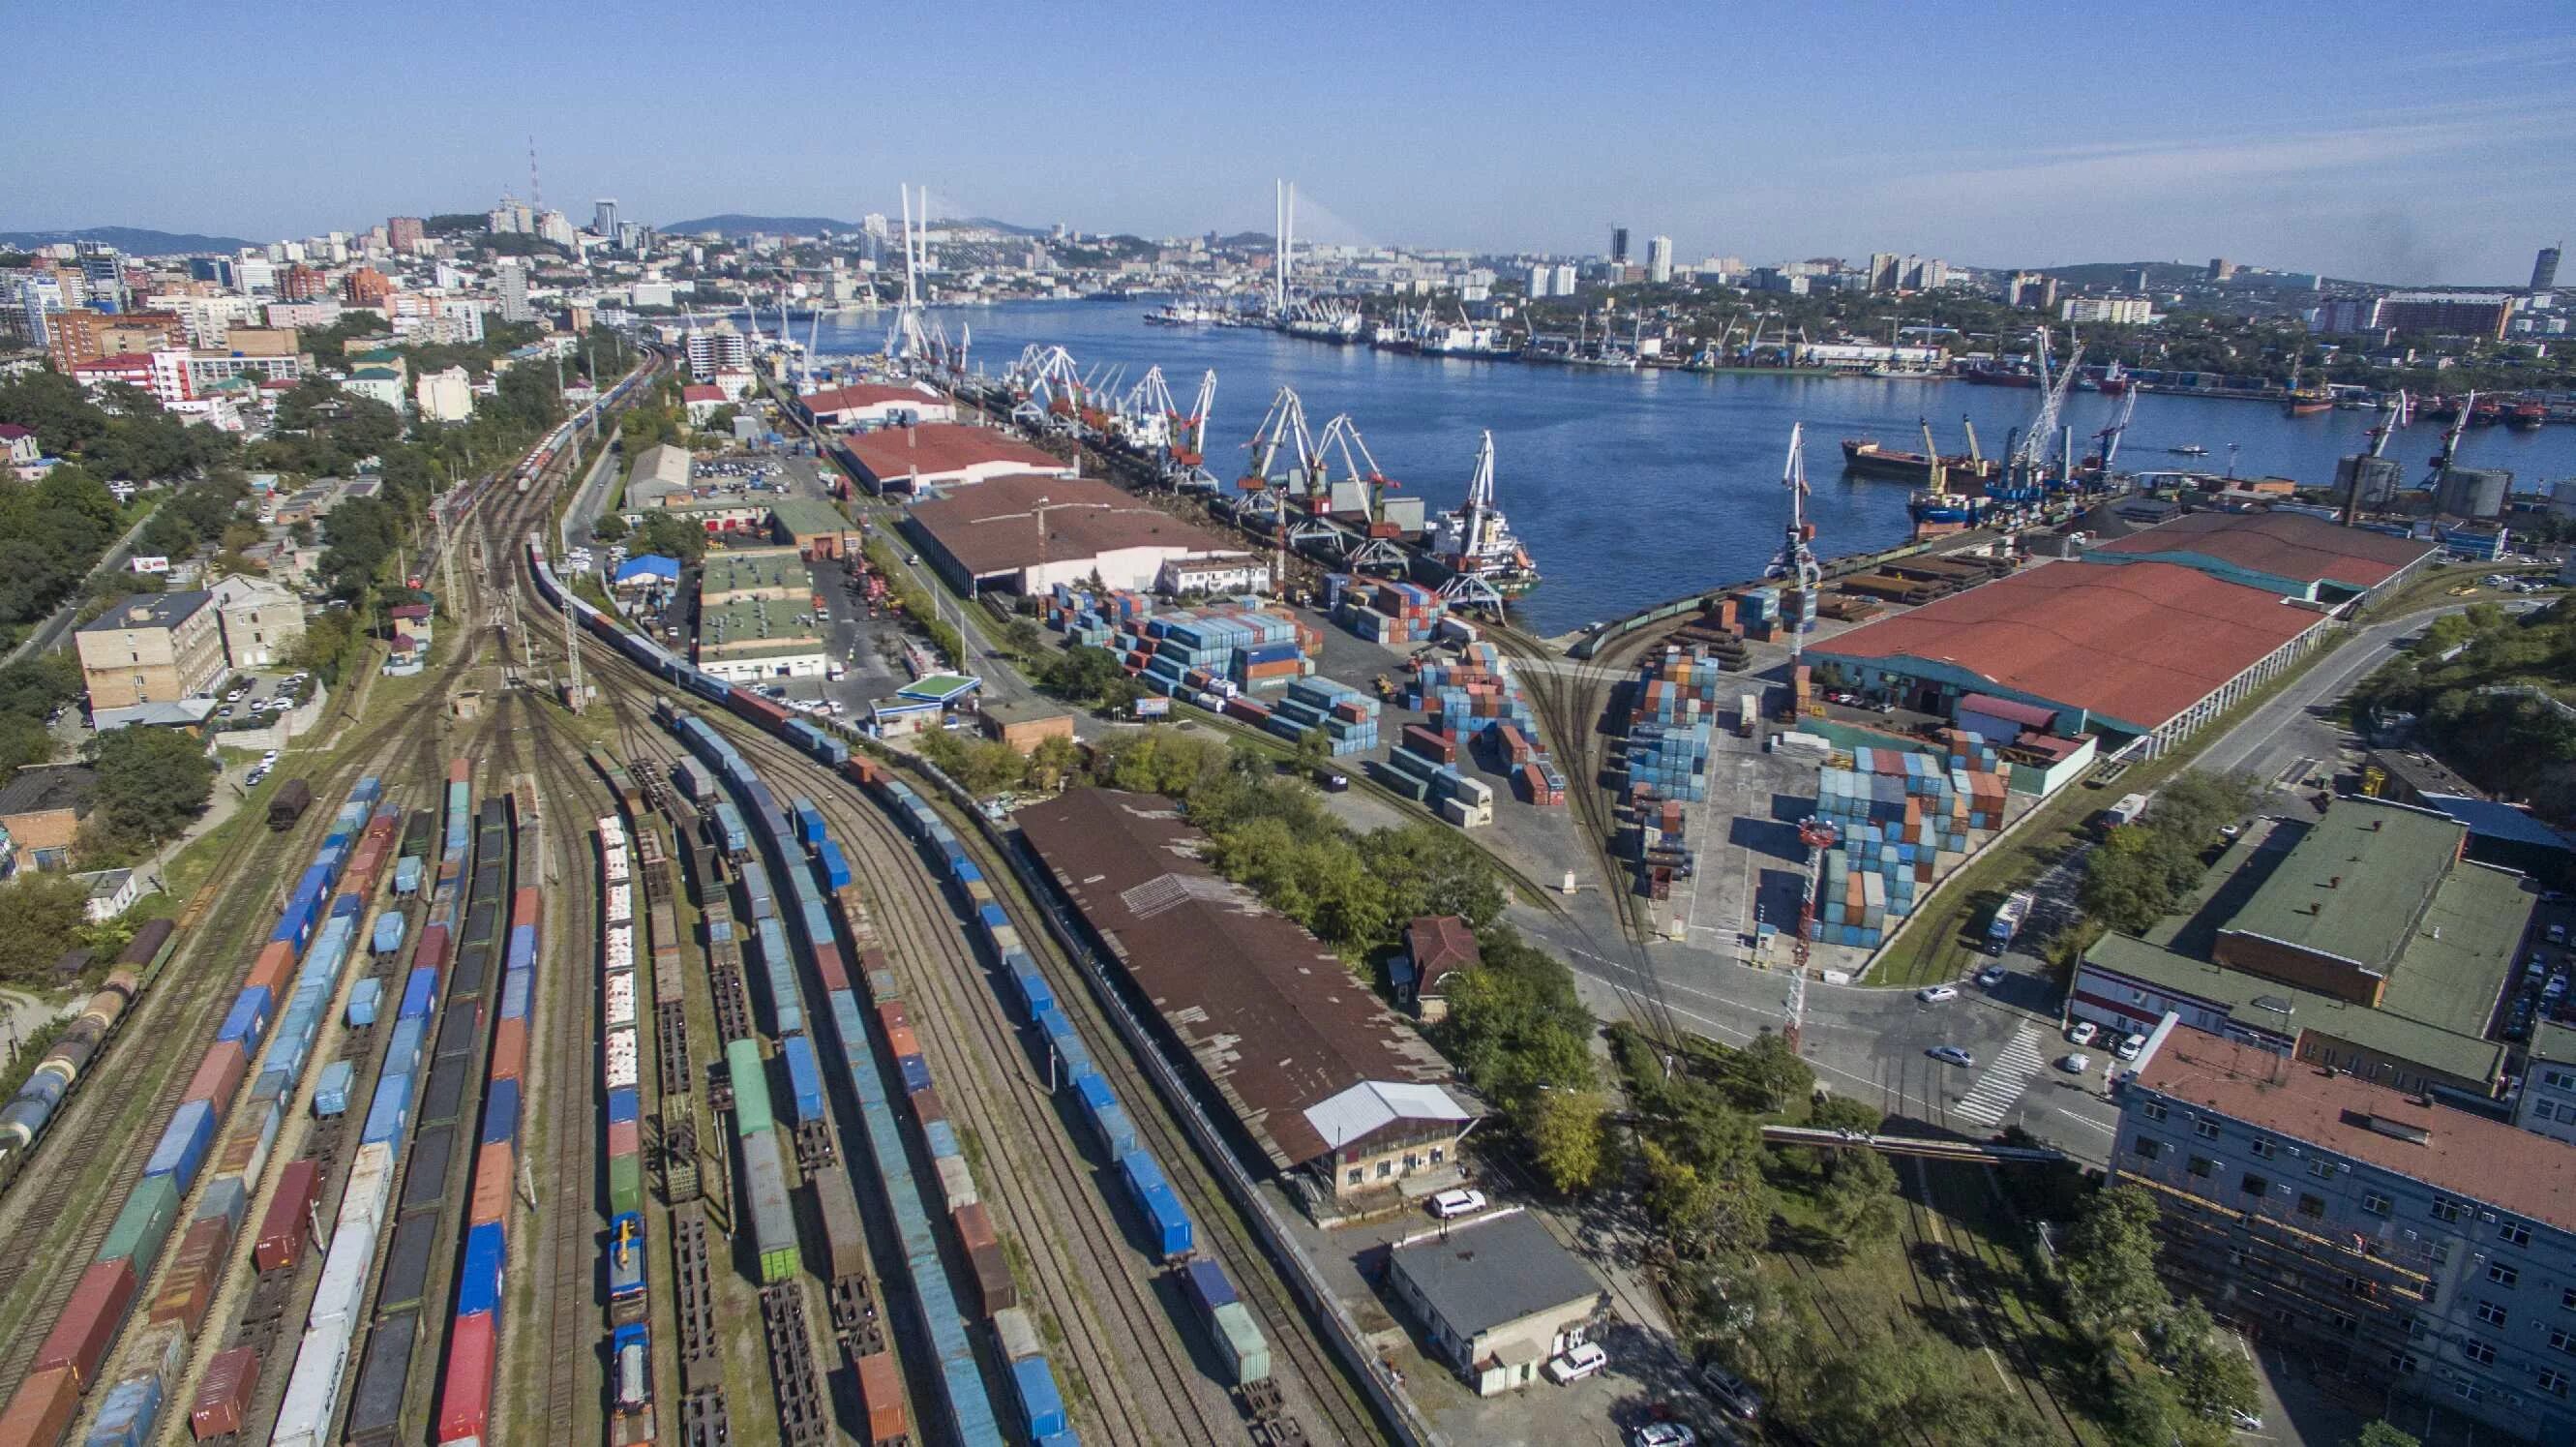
(344,1273)
(313,1390)
(371,1185)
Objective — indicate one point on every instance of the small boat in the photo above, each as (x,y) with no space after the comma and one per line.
(2189,449)
(2526,415)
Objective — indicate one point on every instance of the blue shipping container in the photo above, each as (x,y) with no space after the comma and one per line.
(916,1074)
(331,1088)
(183,1145)
(804,1078)
(523,947)
(362,1001)
(624,1104)
(420,994)
(247,1021)
(501,1112)
(388,1115)
(389,931)
(514,994)
(478,1279)
(1166,1224)
(1041,1409)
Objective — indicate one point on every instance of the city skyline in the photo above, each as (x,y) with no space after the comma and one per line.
(1803,147)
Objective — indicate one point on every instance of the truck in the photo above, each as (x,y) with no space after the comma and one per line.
(2124,812)
(1748,715)
(2009,918)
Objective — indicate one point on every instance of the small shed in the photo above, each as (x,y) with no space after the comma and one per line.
(1496,1297)
(1025,724)
(1437,946)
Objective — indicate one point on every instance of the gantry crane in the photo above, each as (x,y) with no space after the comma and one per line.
(1185,459)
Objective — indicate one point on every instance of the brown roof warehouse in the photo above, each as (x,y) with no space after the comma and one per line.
(1315,1071)
(1027,533)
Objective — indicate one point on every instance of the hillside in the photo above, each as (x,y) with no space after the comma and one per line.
(132,240)
(734,223)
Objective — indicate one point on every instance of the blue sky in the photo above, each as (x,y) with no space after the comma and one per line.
(2396,142)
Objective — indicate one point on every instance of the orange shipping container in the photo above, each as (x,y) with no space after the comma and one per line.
(527,907)
(218,1075)
(42,1410)
(900,1041)
(510,1050)
(272,967)
(495,1166)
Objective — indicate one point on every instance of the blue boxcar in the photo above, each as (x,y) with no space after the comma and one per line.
(804,1078)
(1041,1408)
(390,1112)
(836,865)
(809,821)
(247,1021)
(1033,990)
(403,1052)
(1166,1224)
(183,1145)
(296,925)
(523,948)
(501,1112)
(420,994)
(389,931)
(478,1279)
(916,1074)
(331,1088)
(624,1104)
(514,994)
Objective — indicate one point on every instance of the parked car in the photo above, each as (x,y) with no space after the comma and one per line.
(1732,1392)
(1451,1204)
(2076,1063)
(1578,1362)
(1991,976)
(2082,1034)
(1935,994)
(1664,1434)
(1951,1054)
(2129,1047)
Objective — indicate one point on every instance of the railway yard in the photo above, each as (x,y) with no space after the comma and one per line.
(516,1094)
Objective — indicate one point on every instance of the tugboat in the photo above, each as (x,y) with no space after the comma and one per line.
(1475,541)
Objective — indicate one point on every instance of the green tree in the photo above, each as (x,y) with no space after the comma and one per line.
(1857,1198)
(1773,1070)
(1053,761)
(2210,1375)
(151,782)
(40,915)
(1080,673)
(2110,1260)
(609,528)
(1515,1026)
(1565,1129)
(671,536)
(1841,1112)
(2381,1434)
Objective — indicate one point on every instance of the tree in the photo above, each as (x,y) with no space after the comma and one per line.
(1052,761)
(2210,1374)
(671,536)
(39,917)
(328,637)
(2380,1434)
(1312,754)
(1857,1198)
(151,782)
(2110,1260)
(1565,1129)
(1771,1067)
(1081,673)
(609,528)
(1841,1112)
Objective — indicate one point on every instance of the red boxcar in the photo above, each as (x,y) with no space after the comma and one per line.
(43,1409)
(89,1320)
(224,1394)
(218,1075)
(283,1227)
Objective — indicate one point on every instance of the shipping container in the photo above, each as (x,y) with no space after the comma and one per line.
(465,1401)
(144,1224)
(881,1392)
(89,1323)
(42,1410)
(1167,1226)
(282,1227)
(224,1394)
(1041,1408)
(495,1169)
(479,1268)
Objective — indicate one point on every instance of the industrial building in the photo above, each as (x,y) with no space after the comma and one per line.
(1315,1074)
(2426,1248)
(2142,650)
(658,477)
(2291,554)
(754,619)
(1026,534)
(1496,1297)
(2364,942)
(940,454)
(867,404)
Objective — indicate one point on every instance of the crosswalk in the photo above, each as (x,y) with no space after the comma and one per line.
(1999,1089)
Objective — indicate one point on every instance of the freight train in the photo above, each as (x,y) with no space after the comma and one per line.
(67,1061)
(213,1151)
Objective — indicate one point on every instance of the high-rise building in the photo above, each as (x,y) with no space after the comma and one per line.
(556,227)
(216,269)
(720,349)
(1659,258)
(2036,289)
(603,218)
(2134,280)
(103,273)
(365,286)
(1539,277)
(2544,270)
(2221,269)
(402,233)
(1927,273)
(1564,279)
(301,283)
(2462,313)
(1886,271)
(1618,246)
(511,280)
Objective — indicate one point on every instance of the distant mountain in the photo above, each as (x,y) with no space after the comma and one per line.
(2161,275)
(132,240)
(987,223)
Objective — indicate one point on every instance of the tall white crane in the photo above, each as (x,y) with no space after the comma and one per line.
(1796,561)
(904,339)
(1468,587)
(2451,443)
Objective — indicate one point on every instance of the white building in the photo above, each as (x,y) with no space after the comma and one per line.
(446,396)
(1564,279)
(261,621)
(254,274)
(1541,282)
(1659,258)
(2127,311)
(512,284)
(717,349)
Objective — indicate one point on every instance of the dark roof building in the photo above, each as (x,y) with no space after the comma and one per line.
(1315,1069)
(1436,947)
(2143,648)
(2291,554)
(1497,1296)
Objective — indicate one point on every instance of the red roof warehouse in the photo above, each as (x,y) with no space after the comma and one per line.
(940,454)
(2138,648)
(2294,554)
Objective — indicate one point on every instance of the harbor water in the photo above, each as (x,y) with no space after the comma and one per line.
(1631,488)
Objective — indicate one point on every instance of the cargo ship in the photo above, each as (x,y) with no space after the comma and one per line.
(1871,459)
(1993,376)
(1186,312)
(2527,415)
(1476,540)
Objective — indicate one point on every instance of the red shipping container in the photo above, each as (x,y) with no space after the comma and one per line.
(870,960)
(224,1394)
(509,1050)
(881,1390)
(527,907)
(81,1335)
(43,1409)
(493,1168)
(625,1138)
(901,1042)
(274,964)
(974,1226)
(218,1075)
(465,1404)
(283,1226)
(890,1017)
(927,1106)
(431,952)
(827,963)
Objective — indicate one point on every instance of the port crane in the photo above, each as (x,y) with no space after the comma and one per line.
(1796,561)
(1358,472)
(2379,435)
(1468,588)
(2451,441)
(1283,427)
(1185,458)
(2107,441)
(1145,414)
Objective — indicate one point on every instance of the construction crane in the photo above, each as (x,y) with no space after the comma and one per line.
(2107,441)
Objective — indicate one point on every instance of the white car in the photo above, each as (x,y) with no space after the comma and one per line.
(2129,1047)
(2075,1064)
(1935,994)
(1665,1434)
(2082,1034)
(1578,1362)
(2244,1421)
(1451,1204)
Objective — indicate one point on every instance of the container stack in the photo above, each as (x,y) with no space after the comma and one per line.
(1971,752)
(1757,611)
(1668,761)
(1903,820)
(1389,614)
(1348,717)
(1473,696)
(1209,655)
(1461,800)
(1093,618)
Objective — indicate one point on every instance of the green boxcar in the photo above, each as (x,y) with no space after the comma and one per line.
(750,1088)
(778,1266)
(144,1225)
(625,1184)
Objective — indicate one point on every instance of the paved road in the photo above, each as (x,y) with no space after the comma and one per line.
(2288,729)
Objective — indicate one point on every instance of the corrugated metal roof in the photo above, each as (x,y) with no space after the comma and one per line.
(2284,545)
(1276,1023)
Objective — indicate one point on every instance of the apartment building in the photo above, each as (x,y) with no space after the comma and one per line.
(152,648)
(2386,1236)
